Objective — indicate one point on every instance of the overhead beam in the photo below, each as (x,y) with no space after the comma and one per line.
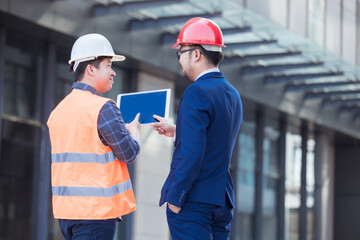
(165,21)
(357,116)
(251,57)
(353,109)
(350,106)
(234,30)
(231,46)
(323,93)
(120,7)
(279,78)
(263,67)
(339,99)
(301,85)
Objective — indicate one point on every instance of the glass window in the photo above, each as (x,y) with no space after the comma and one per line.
(23,70)
(293,185)
(333,22)
(271,177)
(18,147)
(245,182)
(316,21)
(297,17)
(19,92)
(349,35)
(271,9)
(21,127)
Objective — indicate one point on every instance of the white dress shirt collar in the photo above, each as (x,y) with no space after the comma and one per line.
(215,69)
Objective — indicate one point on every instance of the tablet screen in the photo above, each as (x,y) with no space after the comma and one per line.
(146,103)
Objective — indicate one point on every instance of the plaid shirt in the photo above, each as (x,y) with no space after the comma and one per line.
(112,130)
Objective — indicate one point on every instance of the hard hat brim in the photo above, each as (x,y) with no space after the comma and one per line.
(114,58)
(118,58)
(176,46)
(211,48)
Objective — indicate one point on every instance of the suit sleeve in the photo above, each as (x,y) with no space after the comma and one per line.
(193,120)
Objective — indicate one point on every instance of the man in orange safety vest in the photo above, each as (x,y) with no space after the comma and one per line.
(91,147)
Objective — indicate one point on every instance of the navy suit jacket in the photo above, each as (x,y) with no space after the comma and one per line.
(208,123)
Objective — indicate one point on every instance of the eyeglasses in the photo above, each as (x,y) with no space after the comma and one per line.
(179,52)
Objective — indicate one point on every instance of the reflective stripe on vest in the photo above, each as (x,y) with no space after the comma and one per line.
(88,182)
(92,191)
(83,157)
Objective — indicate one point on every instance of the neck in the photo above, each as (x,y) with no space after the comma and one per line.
(200,70)
(89,82)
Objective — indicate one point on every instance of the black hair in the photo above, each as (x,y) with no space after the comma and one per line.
(213,57)
(80,70)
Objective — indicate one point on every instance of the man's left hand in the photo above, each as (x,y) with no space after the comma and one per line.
(173,208)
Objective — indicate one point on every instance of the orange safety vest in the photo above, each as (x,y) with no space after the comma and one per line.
(88,182)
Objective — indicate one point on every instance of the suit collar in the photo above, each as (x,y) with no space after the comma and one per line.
(211,75)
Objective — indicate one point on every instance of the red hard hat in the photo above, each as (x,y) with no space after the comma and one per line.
(201,31)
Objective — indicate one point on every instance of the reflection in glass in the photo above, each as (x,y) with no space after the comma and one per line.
(245,191)
(18,148)
(270,186)
(293,184)
(21,92)
(20,129)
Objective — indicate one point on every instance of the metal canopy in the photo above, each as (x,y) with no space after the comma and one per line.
(276,78)
(261,66)
(106,7)
(166,21)
(325,93)
(260,56)
(301,86)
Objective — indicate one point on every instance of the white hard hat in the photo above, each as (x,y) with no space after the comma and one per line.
(91,46)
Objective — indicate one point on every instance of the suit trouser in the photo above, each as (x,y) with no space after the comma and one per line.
(200,221)
(88,229)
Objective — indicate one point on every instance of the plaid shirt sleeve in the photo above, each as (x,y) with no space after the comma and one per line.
(113,133)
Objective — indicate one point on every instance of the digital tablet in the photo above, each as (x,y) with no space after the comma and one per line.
(146,103)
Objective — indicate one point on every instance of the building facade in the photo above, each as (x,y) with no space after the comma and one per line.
(295,165)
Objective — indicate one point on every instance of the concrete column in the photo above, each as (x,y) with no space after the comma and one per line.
(324,187)
(151,169)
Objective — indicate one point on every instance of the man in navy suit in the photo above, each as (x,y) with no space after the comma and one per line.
(199,189)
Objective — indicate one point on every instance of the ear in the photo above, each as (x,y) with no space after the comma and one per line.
(197,55)
(90,70)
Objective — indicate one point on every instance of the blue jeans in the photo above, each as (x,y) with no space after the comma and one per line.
(88,229)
